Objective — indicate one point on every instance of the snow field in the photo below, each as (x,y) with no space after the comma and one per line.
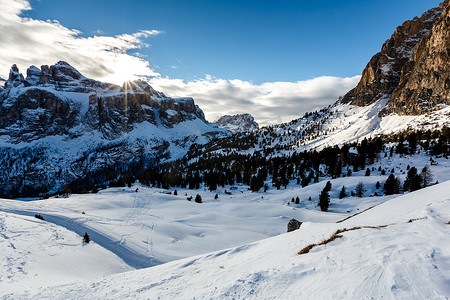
(150,227)
(37,253)
(404,260)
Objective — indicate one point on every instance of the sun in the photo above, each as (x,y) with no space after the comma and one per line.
(128,68)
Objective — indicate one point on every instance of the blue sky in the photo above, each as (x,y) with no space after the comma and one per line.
(273,59)
(258,41)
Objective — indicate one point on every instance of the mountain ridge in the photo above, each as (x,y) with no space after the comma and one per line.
(58,127)
(237,123)
(405,57)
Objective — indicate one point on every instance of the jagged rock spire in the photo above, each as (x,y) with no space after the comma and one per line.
(15,77)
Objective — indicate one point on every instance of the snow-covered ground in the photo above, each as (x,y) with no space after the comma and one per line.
(151,227)
(37,253)
(346,123)
(400,251)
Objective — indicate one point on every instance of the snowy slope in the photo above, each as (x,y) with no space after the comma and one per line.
(37,253)
(345,123)
(349,123)
(150,227)
(407,256)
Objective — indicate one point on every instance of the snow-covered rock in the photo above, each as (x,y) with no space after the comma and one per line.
(237,123)
(57,126)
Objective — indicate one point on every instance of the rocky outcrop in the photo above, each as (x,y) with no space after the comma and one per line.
(425,78)
(36,113)
(48,102)
(237,123)
(14,78)
(58,128)
(388,68)
(293,225)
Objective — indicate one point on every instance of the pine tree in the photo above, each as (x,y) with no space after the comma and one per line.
(324,199)
(86,238)
(198,198)
(412,141)
(343,193)
(413,180)
(392,185)
(359,189)
(328,186)
(426,176)
(256,183)
(297,200)
(367,172)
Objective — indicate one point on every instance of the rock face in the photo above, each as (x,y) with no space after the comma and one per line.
(411,68)
(293,225)
(425,78)
(237,123)
(58,127)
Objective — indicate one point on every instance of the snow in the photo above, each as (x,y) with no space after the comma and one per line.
(150,228)
(407,256)
(350,123)
(171,112)
(234,246)
(387,68)
(38,253)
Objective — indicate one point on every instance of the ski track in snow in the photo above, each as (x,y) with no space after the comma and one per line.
(128,255)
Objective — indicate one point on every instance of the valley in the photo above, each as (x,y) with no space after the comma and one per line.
(121,192)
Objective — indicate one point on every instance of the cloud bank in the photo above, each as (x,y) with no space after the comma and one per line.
(269,103)
(26,41)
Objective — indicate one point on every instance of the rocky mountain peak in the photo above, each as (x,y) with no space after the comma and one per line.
(425,78)
(237,123)
(62,71)
(60,100)
(87,126)
(15,77)
(141,86)
(386,69)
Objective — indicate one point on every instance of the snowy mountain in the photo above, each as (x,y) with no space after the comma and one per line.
(378,159)
(58,127)
(405,87)
(237,123)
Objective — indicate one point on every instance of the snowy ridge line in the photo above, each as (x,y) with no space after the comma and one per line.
(130,257)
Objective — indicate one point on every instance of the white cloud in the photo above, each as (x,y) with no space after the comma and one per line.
(270,102)
(25,41)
